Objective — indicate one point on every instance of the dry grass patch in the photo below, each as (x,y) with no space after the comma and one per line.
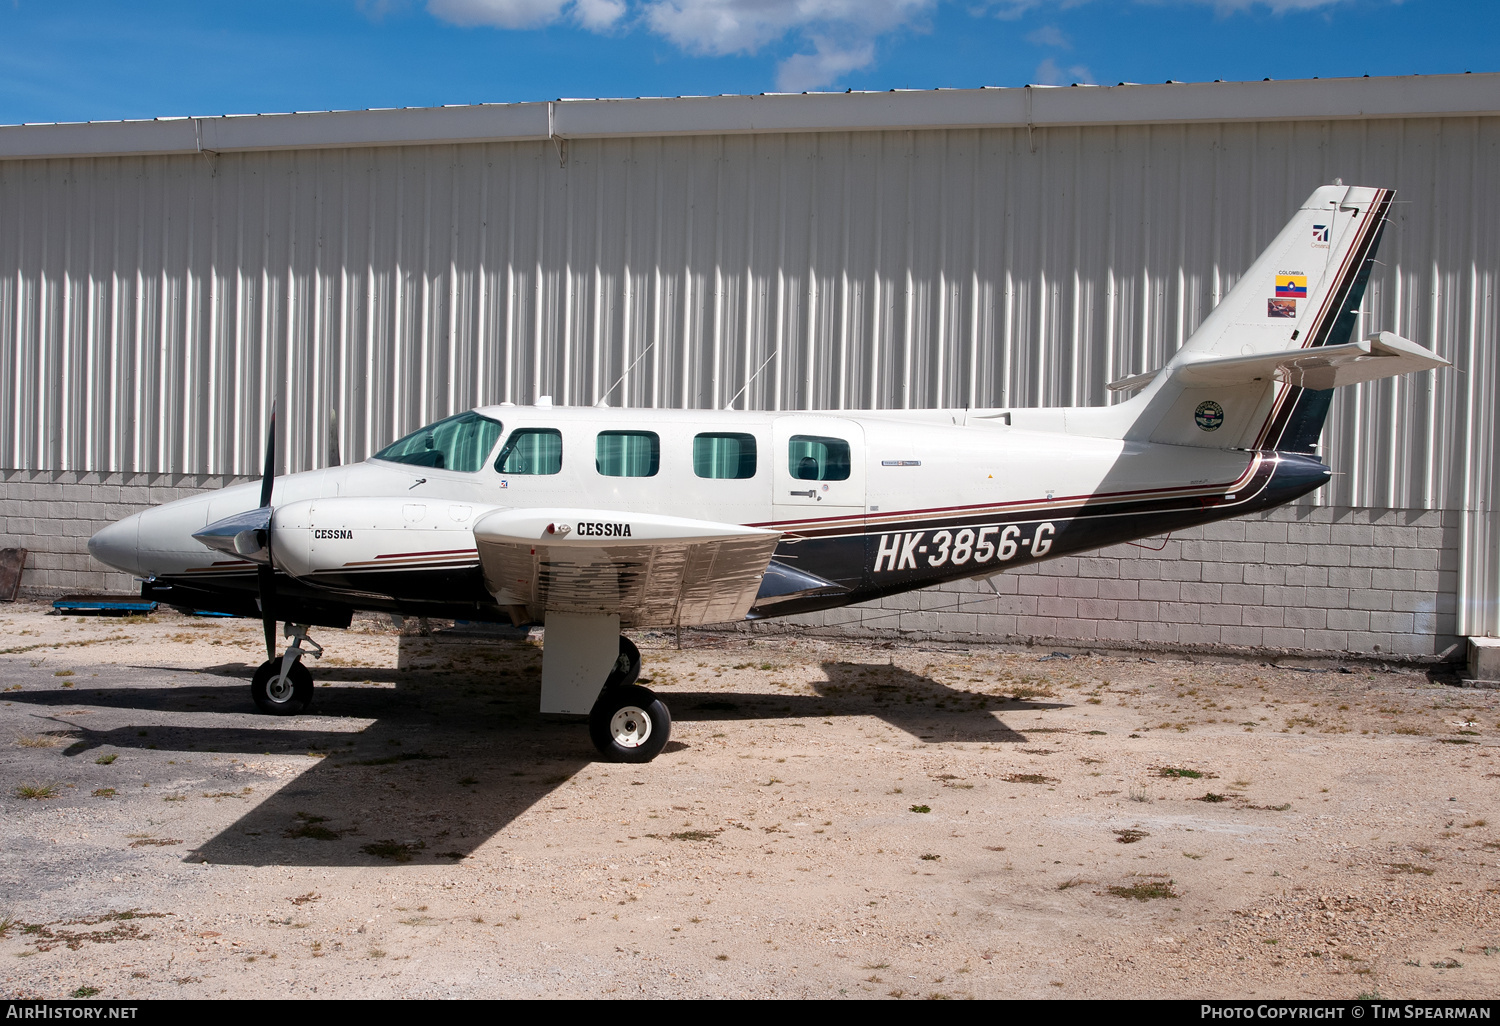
(1144,890)
(45,740)
(36,792)
(1029,778)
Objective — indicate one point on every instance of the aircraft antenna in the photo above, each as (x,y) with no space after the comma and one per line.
(751,380)
(621,378)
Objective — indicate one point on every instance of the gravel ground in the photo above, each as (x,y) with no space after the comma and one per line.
(831,819)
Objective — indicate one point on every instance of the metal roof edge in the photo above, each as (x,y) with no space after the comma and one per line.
(407,126)
(1036,106)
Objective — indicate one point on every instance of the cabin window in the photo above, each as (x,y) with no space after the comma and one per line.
(628,453)
(815,458)
(459,443)
(724,455)
(531,451)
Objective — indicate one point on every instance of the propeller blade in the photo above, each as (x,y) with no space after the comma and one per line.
(265,574)
(268,476)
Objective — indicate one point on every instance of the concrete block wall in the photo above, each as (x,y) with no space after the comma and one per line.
(1316,580)
(53,513)
(1303,580)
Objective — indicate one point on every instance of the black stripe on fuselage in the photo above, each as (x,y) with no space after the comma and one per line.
(897,557)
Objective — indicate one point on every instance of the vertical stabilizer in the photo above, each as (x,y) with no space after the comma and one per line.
(1303,292)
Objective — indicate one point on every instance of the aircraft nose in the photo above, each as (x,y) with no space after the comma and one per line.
(118,545)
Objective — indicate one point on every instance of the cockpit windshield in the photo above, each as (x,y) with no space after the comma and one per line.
(461,443)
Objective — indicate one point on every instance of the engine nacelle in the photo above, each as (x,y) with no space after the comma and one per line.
(349,543)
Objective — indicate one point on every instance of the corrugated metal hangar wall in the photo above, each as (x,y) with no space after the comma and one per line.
(153,303)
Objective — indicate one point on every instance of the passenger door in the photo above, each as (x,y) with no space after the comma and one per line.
(818,473)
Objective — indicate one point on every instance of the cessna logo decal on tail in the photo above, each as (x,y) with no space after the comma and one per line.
(1107,474)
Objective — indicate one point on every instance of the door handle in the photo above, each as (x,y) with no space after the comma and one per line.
(811,493)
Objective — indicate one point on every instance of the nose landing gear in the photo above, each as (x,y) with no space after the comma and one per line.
(283,686)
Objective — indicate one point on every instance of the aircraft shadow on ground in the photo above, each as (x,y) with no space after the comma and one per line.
(244,671)
(457,750)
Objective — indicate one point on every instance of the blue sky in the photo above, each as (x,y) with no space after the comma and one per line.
(77,60)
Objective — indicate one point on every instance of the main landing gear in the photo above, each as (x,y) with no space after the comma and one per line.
(590,669)
(629,723)
(283,686)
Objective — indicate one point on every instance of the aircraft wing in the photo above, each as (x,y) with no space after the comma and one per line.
(652,570)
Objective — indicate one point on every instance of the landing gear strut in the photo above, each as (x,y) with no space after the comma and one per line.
(627,668)
(283,686)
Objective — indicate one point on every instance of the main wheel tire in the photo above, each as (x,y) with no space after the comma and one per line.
(281,698)
(627,667)
(630,724)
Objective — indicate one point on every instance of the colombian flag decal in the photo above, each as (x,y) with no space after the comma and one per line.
(1291,286)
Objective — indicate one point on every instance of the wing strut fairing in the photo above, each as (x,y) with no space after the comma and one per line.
(783,584)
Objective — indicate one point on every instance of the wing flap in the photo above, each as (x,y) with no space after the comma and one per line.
(651,570)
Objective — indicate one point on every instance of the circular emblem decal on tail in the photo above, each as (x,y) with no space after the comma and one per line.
(1209,415)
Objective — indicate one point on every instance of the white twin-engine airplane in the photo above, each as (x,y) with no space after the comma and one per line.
(571,517)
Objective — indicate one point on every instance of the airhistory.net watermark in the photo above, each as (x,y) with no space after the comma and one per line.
(42,1010)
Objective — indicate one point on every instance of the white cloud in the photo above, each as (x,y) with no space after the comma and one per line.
(827,63)
(841,34)
(594,15)
(1049,35)
(375,10)
(744,26)
(1276,6)
(1010,10)
(507,14)
(599,15)
(1048,73)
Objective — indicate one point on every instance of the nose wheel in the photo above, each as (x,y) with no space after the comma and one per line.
(278,693)
(283,686)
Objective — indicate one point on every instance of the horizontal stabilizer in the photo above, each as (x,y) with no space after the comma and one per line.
(1379,356)
(651,570)
(1133,382)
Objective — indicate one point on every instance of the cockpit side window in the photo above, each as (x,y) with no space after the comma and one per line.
(461,443)
(531,451)
(815,458)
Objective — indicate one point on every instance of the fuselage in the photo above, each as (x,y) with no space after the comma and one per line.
(875,503)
